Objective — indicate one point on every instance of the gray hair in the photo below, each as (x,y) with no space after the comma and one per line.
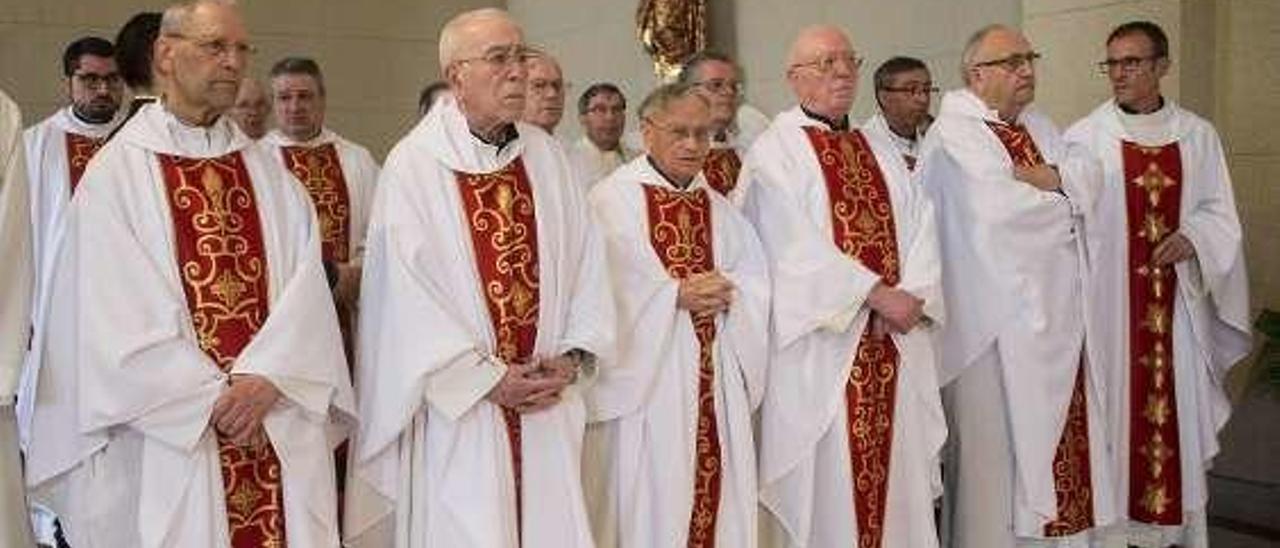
(175,17)
(451,41)
(660,99)
(971,48)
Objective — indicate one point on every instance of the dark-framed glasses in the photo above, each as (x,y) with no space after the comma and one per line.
(926,90)
(1124,64)
(721,87)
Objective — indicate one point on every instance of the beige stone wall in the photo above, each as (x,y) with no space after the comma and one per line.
(596,39)
(376,55)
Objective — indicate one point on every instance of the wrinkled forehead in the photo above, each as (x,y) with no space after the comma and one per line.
(1135,42)
(688,111)
(1003,43)
(543,68)
(489,34)
(215,22)
(294,81)
(821,43)
(911,76)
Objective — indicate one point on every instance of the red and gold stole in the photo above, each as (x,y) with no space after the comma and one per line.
(223,264)
(499,209)
(80,149)
(721,169)
(321,173)
(680,232)
(1153,194)
(1072,478)
(862,226)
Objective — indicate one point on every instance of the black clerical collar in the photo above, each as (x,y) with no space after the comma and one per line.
(1127,110)
(834,125)
(668,178)
(505,136)
(76,114)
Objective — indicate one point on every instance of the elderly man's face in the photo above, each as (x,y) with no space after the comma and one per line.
(679,138)
(298,104)
(544,100)
(718,83)
(1003,72)
(1134,71)
(825,76)
(605,119)
(489,77)
(95,88)
(904,100)
(251,109)
(207,59)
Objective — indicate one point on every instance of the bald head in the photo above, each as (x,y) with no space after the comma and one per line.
(814,40)
(822,69)
(466,29)
(483,56)
(200,58)
(998,65)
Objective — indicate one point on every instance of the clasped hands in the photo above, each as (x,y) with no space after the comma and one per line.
(534,385)
(239,410)
(893,310)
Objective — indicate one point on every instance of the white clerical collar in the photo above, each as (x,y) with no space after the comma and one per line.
(660,176)
(74,124)
(1151,129)
(278,138)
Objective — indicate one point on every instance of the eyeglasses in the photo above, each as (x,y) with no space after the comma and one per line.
(1124,64)
(912,90)
(699,134)
(546,87)
(721,87)
(219,48)
(601,110)
(93,81)
(503,56)
(1013,62)
(827,63)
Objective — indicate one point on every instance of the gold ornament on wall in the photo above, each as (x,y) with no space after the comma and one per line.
(671,31)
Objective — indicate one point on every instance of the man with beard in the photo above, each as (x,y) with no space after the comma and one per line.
(903,90)
(57,150)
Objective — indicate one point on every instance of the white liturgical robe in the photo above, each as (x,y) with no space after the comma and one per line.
(818,322)
(1210,316)
(122,448)
(433,460)
(648,404)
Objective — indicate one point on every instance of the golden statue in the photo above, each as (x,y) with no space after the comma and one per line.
(671,30)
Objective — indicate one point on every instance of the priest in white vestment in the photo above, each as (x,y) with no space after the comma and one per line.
(484,306)
(193,366)
(57,151)
(719,79)
(851,424)
(605,144)
(673,440)
(904,90)
(1025,395)
(1170,292)
(16,275)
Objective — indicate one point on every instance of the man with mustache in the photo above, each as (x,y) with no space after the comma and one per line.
(193,376)
(851,423)
(1171,296)
(484,304)
(1029,464)
(59,148)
